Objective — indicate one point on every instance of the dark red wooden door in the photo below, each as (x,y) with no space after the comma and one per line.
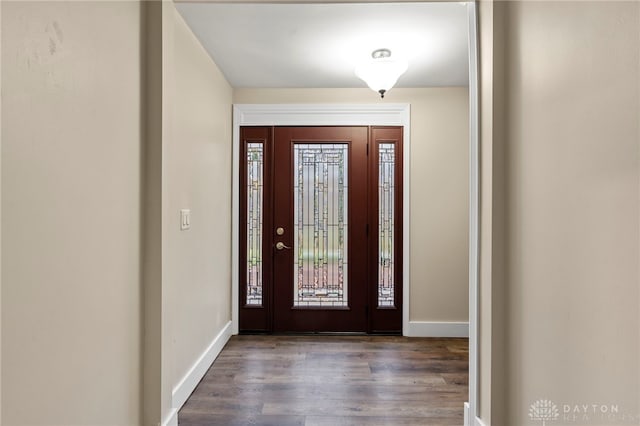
(320,201)
(320,229)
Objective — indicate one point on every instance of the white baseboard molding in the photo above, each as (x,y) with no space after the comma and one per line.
(183,389)
(467,416)
(438,329)
(172,418)
(479,422)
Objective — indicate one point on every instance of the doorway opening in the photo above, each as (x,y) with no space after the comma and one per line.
(320,229)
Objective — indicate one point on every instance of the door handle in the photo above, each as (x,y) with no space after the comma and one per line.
(280,245)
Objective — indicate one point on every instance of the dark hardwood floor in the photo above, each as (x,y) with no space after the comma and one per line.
(333,381)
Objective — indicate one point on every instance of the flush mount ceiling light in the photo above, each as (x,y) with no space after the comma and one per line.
(381,72)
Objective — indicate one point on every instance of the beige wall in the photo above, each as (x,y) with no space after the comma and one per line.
(187,280)
(493,180)
(485,82)
(71,213)
(75,119)
(197,176)
(439,188)
(188,166)
(569,133)
(0,215)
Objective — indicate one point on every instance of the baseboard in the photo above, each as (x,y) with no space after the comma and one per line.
(190,380)
(438,329)
(467,416)
(172,418)
(479,422)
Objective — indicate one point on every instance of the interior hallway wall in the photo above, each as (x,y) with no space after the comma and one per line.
(197,176)
(71,177)
(187,273)
(0,215)
(491,294)
(439,188)
(568,131)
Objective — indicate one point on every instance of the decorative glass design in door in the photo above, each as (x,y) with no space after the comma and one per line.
(321,192)
(320,224)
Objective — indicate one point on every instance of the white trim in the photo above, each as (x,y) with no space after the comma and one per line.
(172,418)
(406,216)
(475,422)
(479,422)
(235,213)
(322,115)
(474,210)
(183,389)
(437,329)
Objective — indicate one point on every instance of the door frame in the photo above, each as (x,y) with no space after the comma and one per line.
(388,114)
(319,115)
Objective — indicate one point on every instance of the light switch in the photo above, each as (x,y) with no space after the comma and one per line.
(185,219)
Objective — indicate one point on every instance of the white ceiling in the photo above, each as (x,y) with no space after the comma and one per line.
(319,45)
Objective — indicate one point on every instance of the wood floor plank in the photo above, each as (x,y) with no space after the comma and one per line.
(332,380)
(382,421)
(367,391)
(203,419)
(318,407)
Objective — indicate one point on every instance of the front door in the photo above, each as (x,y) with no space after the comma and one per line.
(320,229)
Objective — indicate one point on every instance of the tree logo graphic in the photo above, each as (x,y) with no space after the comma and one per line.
(543,410)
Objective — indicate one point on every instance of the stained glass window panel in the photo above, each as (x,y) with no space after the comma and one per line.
(386,222)
(255,195)
(321,228)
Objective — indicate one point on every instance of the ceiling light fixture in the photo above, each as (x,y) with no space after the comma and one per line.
(381,72)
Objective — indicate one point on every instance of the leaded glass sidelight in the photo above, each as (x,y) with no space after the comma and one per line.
(386,222)
(320,222)
(255,195)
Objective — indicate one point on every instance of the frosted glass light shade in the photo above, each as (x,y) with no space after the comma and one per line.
(381,74)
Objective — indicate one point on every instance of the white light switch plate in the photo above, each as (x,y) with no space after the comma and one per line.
(185,219)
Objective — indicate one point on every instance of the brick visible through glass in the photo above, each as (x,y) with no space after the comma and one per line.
(386,221)
(320,222)
(255,195)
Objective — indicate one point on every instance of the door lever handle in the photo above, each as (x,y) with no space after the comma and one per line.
(280,245)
